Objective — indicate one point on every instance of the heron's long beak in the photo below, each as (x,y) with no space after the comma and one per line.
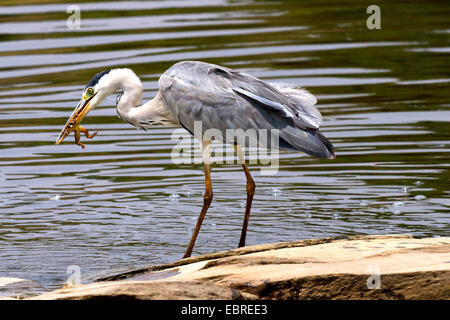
(75,119)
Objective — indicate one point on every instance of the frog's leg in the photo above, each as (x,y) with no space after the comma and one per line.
(86,133)
(77,137)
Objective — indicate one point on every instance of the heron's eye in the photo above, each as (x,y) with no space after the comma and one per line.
(89,92)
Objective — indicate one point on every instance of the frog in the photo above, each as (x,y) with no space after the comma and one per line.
(77,129)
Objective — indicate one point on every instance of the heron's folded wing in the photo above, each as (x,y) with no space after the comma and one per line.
(216,99)
(302,99)
(275,106)
(293,103)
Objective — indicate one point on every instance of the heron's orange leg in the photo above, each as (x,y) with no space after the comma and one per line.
(206,200)
(250,194)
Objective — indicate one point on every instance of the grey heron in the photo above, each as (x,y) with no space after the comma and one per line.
(219,98)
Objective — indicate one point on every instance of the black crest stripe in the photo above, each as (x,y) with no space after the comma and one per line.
(96,78)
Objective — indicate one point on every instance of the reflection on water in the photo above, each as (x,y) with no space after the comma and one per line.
(122,203)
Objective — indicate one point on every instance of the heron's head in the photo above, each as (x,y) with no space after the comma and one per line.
(95,91)
(99,87)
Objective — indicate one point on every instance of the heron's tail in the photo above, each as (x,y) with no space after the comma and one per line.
(309,141)
(327,145)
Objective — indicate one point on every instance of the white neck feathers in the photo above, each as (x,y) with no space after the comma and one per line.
(129,106)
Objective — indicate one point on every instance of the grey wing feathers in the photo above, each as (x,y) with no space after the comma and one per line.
(303,100)
(277,107)
(223,99)
(283,99)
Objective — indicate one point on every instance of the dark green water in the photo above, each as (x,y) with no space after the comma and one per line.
(122,203)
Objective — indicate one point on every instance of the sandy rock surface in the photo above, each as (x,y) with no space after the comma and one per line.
(359,267)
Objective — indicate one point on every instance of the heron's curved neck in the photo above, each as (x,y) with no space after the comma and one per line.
(129,106)
(126,80)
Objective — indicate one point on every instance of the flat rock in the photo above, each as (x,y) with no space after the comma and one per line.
(357,267)
(144,290)
(11,288)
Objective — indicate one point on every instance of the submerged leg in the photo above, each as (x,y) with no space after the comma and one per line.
(206,199)
(250,194)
